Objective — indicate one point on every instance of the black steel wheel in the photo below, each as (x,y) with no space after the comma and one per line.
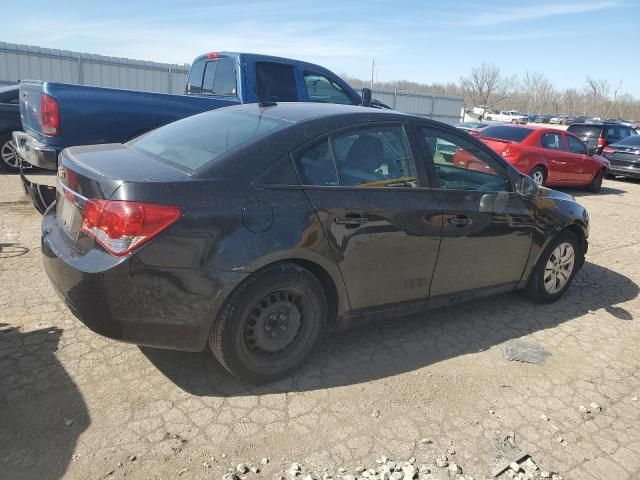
(270,324)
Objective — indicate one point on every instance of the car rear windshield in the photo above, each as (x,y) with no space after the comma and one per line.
(516,134)
(204,139)
(632,141)
(585,130)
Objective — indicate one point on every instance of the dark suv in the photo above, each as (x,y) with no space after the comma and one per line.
(598,135)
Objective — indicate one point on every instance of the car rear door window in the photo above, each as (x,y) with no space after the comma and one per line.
(371,157)
(315,165)
(324,90)
(276,82)
(576,146)
(194,84)
(220,78)
(374,157)
(551,141)
(460,164)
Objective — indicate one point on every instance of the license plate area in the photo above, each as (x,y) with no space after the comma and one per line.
(68,212)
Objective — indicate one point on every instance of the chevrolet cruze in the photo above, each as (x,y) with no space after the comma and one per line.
(256,229)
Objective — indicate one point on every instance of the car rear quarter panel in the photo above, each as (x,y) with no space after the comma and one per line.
(233,228)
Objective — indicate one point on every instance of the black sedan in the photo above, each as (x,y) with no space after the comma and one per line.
(256,229)
(624,157)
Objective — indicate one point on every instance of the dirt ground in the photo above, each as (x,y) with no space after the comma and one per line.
(76,405)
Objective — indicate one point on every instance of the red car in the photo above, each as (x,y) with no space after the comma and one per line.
(551,157)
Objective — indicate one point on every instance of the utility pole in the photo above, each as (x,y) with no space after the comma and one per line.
(373,69)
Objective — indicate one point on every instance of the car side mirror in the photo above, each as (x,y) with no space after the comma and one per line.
(366,97)
(525,186)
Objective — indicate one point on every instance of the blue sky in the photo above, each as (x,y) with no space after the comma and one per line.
(423,41)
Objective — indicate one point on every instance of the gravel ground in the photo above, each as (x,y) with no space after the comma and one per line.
(75,405)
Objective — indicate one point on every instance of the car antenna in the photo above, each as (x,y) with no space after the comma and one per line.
(263,103)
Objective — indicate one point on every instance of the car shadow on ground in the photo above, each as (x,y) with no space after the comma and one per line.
(389,348)
(581,192)
(8,250)
(42,412)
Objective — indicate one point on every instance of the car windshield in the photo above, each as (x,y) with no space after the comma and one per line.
(203,139)
(516,134)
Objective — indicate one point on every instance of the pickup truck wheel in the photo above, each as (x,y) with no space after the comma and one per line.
(270,324)
(539,175)
(596,184)
(555,269)
(514,121)
(8,154)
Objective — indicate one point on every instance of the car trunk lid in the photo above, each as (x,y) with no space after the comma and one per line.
(95,173)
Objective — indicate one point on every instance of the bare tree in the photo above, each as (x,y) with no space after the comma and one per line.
(485,85)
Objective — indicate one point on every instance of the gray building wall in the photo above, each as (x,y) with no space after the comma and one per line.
(26,62)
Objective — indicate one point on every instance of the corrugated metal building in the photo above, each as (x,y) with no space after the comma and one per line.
(26,62)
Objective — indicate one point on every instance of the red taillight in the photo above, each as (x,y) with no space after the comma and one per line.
(212,55)
(601,142)
(50,115)
(121,226)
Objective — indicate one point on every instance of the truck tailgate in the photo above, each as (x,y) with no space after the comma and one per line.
(30,108)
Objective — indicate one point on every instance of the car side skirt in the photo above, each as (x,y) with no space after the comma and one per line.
(363,316)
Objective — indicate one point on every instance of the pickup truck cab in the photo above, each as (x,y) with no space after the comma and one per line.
(58,115)
(510,116)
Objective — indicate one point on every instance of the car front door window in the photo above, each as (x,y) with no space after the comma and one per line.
(576,146)
(462,165)
(324,90)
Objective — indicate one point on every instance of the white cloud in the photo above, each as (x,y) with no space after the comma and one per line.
(536,12)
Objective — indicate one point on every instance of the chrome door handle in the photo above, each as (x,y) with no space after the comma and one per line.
(461,221)
(351,220)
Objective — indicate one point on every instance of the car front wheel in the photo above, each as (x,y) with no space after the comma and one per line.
(555,269)
(270,324)
(596,184)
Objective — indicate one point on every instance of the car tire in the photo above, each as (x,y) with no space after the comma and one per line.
(8,154)
(596,184)
(551,278)
(539,175)
(270,324)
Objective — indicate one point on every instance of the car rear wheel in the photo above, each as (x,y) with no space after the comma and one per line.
(539,175)
(8,154)
(270,324)
(596,184)
(555,269)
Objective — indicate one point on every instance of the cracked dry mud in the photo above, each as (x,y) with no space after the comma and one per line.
(76,405)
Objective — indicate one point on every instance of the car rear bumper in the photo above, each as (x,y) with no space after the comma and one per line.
(126,300)
(34,151)
(632,170)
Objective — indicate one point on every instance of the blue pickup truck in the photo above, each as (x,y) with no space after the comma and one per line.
(58,115)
